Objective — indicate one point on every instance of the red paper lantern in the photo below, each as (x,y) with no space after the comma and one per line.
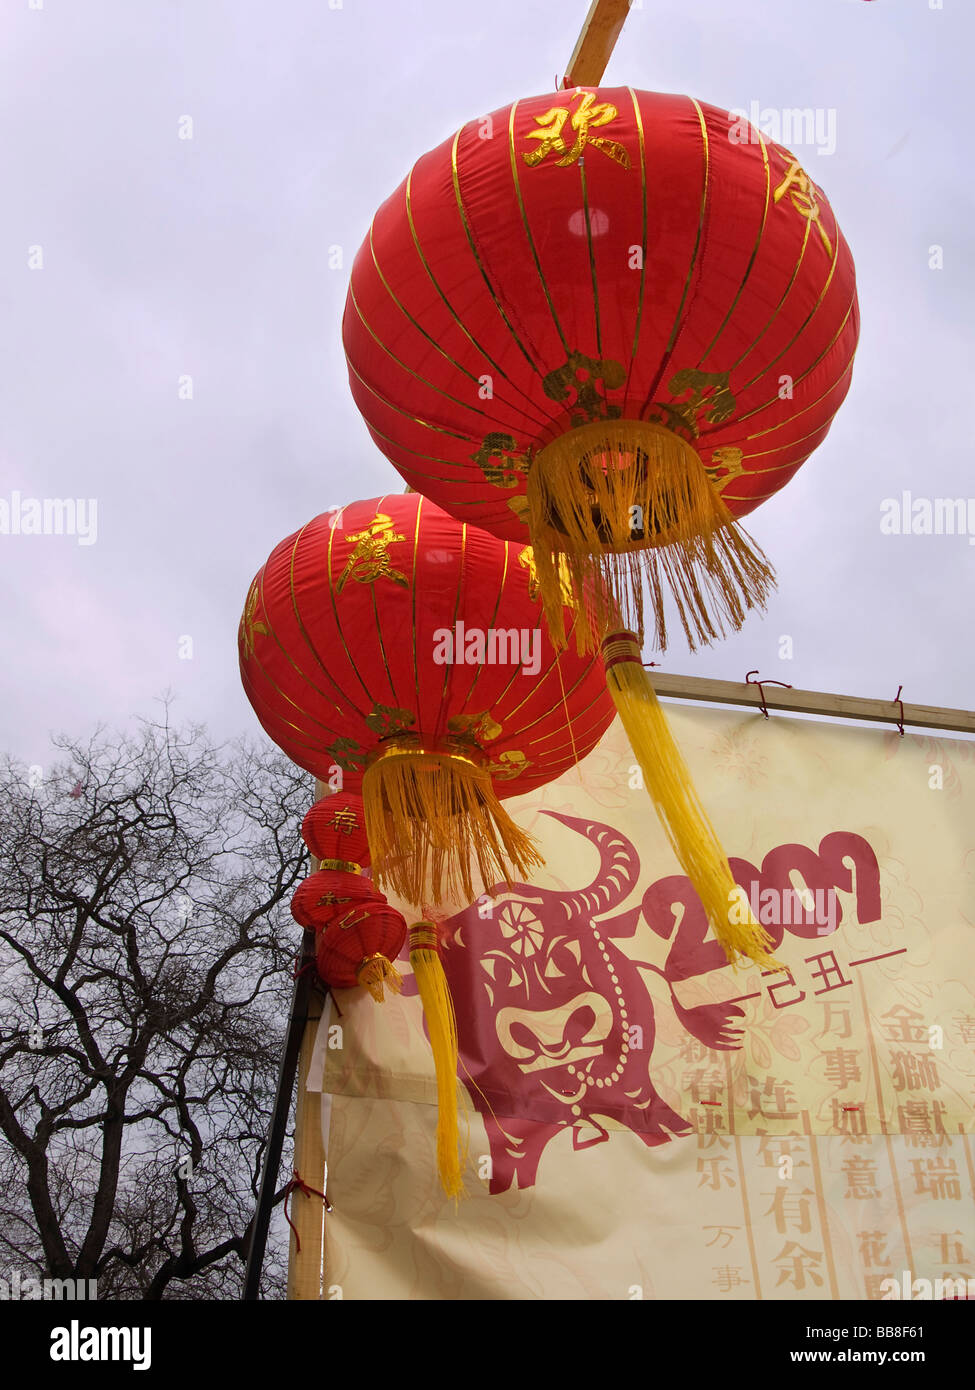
(358,934)
(405,651)
(607,322)
(334,830)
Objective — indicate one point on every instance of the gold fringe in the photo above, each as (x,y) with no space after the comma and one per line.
(690,832)
(618,501)
(374,972)
(438,1009)
(427,815)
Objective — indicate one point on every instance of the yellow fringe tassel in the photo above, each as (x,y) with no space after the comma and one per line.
(374,972)
(438,1010)
(623,500)
(427,816)
(690,832)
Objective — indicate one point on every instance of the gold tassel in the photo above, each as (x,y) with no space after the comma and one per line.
(438,1010)
(427,815)
(667,779)
(374,972)
(617,501)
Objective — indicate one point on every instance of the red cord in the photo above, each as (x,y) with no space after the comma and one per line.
(761,692)
(898,701)
(298,1184)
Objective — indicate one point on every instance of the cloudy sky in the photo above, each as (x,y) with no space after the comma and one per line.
(174,173)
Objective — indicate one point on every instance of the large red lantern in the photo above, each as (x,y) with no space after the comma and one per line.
(608,323)
(404,652)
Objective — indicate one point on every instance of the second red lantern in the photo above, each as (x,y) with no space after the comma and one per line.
(404,651)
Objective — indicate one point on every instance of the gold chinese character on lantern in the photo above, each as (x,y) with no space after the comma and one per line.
(370,560)
(344,820)
(802,195)
(587,114)
(249,623)
(726,464)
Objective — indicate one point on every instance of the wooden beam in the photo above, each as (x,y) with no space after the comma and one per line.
(595,44)
(812,702)
(302,1003)
(305,1264)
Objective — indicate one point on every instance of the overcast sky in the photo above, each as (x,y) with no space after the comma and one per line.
(139,266)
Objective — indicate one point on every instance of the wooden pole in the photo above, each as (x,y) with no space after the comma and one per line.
(306,1256)
(812,702)
(301,1003)
(595,44)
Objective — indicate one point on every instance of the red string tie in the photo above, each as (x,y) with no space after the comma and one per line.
(761,691)
(298,1184)
(898,701)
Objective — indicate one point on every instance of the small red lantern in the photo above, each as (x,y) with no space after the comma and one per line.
(334,830)
(358,934)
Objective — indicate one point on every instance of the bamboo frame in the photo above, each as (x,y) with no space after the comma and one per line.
(301,1003)
(812,702)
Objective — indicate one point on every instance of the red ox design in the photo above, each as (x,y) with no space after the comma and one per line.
(555,1022)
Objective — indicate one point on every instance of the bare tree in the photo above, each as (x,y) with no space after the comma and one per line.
(146,954)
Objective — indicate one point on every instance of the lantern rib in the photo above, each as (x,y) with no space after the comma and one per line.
(539,681)
(812,313)
(799,332)
(450,667)
(568,722)
(450,308)
(678,321)
(430,458)
(835,262)
(459,366)
(580,679)
(638,116)
(417,420)
(465,405)
(513,162)
(339,709)
(379,639)
(306,714)
(705,191)
(757,473)
(764,496)
(811,406)
(416,551)
(754,256)
(250,685)
(592,259)
(762,453)
(497,605)
(338,626)
(271,632)
(778,308)
(557,749)
(470,242)
(812,366)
